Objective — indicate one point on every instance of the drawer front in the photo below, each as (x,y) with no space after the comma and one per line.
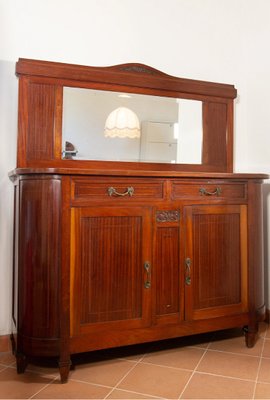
(209,189)
(113,190)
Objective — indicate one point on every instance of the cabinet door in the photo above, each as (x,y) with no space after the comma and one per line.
(215,261)
(110,269)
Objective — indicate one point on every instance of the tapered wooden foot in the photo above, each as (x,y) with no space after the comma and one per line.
(13,344)
(21,362)
(64,368)
(250,336)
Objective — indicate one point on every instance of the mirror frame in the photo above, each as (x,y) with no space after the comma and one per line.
(40,112)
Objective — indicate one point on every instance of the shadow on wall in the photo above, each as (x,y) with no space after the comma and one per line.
(8,135)
(266,230)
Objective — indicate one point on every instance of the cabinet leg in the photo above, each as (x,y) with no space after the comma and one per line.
(13,344)
(250,335)
(64,368)
(21,362)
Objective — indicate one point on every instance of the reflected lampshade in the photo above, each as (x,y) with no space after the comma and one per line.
(122,123)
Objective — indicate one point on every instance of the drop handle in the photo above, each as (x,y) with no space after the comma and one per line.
(204,192)
(113,192)
(147,268)
(188,271)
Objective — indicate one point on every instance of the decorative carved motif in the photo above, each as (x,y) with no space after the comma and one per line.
(137,68)
(168,216)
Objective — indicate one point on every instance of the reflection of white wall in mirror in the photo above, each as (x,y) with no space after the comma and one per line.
(158,142)
(189,147)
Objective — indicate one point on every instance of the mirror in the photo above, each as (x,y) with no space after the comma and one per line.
(170,128)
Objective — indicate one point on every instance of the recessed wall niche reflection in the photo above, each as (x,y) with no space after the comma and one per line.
(170,128)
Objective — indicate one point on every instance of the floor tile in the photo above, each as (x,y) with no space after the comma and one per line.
(262,391)
(267,334)
(202,386)
(184,357)
(38,369)
(23,386)
(266,349)
(263,329)
(238,366)
(123,394)
(106,373)
(72,390)
(5,343)
(264,371)
(156,380)
(7,358)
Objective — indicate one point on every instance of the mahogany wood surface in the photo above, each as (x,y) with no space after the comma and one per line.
(82,280)
(41,110)
(113,253)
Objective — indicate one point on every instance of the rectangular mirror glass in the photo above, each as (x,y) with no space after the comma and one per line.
(112,126)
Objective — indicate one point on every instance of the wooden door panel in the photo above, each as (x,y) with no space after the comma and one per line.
(110,248)
(217,248)
(167,270)
(108,243)
(221,264)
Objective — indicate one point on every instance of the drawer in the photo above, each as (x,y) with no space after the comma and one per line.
(209,189)
(118,189)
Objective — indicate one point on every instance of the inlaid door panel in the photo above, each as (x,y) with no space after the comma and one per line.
(167,270)
(111,249)
(215,261)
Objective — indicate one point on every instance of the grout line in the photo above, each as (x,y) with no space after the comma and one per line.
(44,387)
(234,353)
(259,367)
(90,383)
(165,366)
(226,376)
(131,369)
(198,363)
(140,393)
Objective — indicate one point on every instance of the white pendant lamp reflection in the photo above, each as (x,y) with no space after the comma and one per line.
(122,123)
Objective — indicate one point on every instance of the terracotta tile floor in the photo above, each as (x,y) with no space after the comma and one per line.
(209,366)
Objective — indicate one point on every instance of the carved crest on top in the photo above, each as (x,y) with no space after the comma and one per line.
(138,68)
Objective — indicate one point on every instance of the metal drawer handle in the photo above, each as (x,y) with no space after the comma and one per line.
(113,192)
(204,192)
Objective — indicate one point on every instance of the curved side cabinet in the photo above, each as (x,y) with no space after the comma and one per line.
(38,257)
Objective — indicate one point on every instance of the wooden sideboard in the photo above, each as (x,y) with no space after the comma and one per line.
(109,254)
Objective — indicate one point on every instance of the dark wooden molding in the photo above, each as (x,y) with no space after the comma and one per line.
(130,74)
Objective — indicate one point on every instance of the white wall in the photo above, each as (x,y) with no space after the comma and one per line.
(223,41)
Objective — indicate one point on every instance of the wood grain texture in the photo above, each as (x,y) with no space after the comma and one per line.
(94,270)
(214,151)
(41,109)
(110,247)
(41,120)
(39,257)
(167,270)
(217,247)
(85,189)
(137,75)
(111,270)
